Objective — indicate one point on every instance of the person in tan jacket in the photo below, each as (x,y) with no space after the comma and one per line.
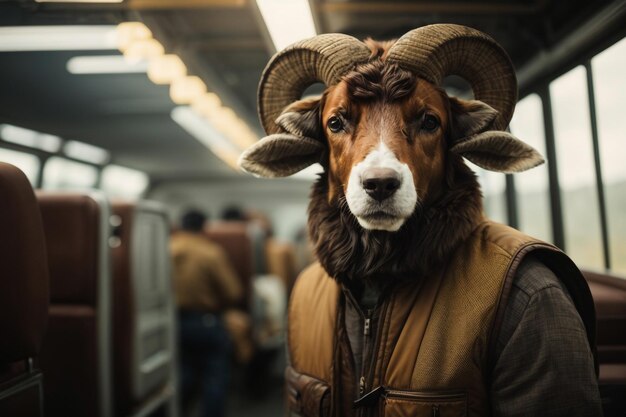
(205,285)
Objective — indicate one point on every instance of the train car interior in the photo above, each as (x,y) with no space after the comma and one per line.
(121,124)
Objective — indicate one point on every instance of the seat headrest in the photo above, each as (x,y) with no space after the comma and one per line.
(24,291)
(72,225)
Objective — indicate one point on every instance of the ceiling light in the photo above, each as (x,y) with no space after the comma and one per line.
(143,49)
(30,138)
(228,123)
(207,104)
(184,90)
(57,38)
(198,127)
(166,68)
(129,32)
(85,152)
(105,64)
(287,21)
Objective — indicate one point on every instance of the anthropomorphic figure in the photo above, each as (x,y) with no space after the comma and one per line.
(205,285)
(418,305)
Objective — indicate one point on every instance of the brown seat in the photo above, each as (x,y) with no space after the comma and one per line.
(281,261)
(609,296)
(76,353)
(236,240)
(143,334)
(23,295)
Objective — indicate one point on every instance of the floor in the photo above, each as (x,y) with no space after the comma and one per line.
(256,391)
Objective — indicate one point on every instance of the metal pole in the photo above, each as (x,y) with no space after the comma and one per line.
(511,202)
(598,166)
(558,234)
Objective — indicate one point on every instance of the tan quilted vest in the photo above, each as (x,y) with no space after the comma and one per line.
(433,347)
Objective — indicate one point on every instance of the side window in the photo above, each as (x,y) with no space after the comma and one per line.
(532,186)
(63,174)
(493,186)
(28,163)
(610,93)
(123,182)
(575,162)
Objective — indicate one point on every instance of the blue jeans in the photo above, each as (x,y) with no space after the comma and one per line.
(205,351)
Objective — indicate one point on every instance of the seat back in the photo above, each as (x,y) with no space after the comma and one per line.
(76,351)
(143,316)
(609,296)
(281,261)
(24,294)
(236,238)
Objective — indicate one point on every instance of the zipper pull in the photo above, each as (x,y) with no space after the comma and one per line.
(367,322)
(361,386)
(370,399)
(435,411)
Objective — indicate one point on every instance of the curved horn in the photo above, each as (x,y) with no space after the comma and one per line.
(323,58)
(435,51)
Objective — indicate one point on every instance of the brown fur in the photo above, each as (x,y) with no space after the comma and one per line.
(348,252)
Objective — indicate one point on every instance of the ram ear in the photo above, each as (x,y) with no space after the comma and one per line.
(302,118)
(297,146)
(498,151)
(470,117)
(281,155)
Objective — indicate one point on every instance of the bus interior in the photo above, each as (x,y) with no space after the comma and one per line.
(123,114)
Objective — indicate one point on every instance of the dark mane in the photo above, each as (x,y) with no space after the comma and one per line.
(348,252)
(377,79)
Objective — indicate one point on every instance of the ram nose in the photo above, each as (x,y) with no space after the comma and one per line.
(380,183)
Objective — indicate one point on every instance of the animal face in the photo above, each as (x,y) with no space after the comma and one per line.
(386,155)
(386,138)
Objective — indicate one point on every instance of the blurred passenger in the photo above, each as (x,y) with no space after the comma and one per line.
(205,285)
(234,214)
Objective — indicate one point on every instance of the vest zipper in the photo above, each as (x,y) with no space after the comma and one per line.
(373,354)
(366,341)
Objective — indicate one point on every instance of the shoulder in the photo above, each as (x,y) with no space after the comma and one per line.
(314,279)
(543,339)
(537,293)
(314,287)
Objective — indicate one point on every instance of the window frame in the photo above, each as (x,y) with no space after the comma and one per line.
(542,89)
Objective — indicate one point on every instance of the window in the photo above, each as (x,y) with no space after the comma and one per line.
(610,93)
(63,174)
(493,185)
(575,162)
(532,186)
(123,182)
(28,163)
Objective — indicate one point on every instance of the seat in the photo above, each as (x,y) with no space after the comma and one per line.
(76,351)
(281,261)
(24,295)
(143,316)
(236,238)
(609,296)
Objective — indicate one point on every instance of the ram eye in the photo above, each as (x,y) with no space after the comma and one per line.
(430,123)
(335,124)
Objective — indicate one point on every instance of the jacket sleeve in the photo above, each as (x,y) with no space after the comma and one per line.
(544,365)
